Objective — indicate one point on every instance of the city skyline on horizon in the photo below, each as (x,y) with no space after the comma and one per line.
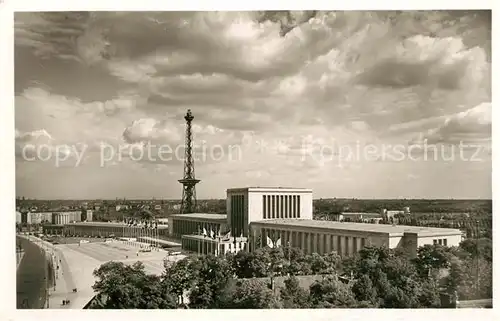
(285,91)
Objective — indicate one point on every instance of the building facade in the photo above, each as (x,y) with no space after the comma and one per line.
(347,238)
(246,205)
(62,218)
(195,223)
(108,229)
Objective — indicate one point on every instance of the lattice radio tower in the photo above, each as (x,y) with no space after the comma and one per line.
(189,181)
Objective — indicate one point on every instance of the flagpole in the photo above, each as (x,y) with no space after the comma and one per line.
(157,235)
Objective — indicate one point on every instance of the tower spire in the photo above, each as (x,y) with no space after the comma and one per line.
(188,204)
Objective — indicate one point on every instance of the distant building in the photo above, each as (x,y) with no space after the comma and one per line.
(348,238)
(61,218)
(19,217)
(195,223)
(105,229)
(90,215)
(245,205)
(353,216)
(38,217)
(273,216)
(121,207)
(52,229)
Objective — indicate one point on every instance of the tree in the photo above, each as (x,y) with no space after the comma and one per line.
(472,279)
(249,294)
(318,263)
(120,286)
(213,275)
(180,277)
(393,277)
(431,257)
(364,290)
(475,248)
(331,293)
(261,262)
(333,262)
(244,264)
(293,296)
(429,296)
(298,263)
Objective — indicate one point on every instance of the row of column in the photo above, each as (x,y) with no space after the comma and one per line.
(315,242)
(280,206)
(210,246)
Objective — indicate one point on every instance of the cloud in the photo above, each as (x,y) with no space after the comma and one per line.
(151,130)
(470,126)
(419,60)
(39,145)
(68,119)
(261,82)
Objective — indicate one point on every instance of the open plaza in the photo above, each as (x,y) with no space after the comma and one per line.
(74,264)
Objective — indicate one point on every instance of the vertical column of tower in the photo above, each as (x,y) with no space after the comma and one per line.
(188,204)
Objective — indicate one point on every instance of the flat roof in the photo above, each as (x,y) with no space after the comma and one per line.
(104,224)
(202,216)
(269,189)
(360,227)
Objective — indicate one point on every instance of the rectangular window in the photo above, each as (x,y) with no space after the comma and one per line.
(440,241)
(434,241)
(281,207)
(268,206)
(286,206)
(298,206)
(264,206)
(272,206)
(294,212)
(445,242)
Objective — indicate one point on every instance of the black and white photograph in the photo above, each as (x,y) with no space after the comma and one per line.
(279,159)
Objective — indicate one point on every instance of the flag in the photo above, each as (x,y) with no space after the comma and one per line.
(270,242)
(278,242)
(204,232)
(227,236)
(212,234)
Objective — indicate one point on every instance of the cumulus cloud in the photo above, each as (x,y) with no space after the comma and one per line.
(419,60)
(472,125)
(254,80)
(151,130)
(39,145)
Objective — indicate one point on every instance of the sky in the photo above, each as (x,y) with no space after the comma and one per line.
(353,104)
